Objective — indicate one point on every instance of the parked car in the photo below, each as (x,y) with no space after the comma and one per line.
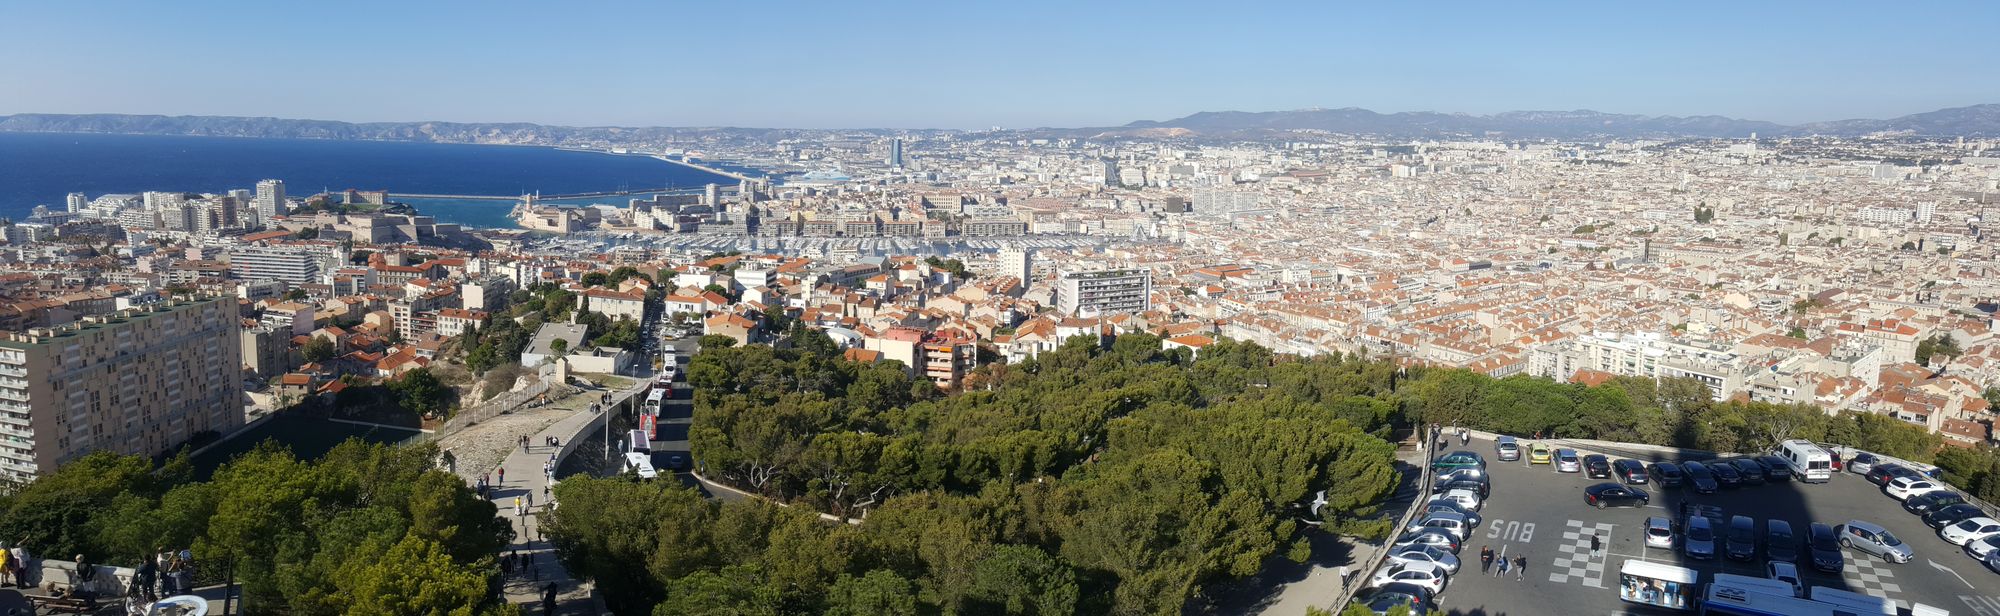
(1665,474)
(1776,469)
(1824,545)
(1969,530)
(1462,474)
(1882,473)
(1596,466)
(1427,553)
(1540,454)
(1832,452)
(1862,463)
(1416,598)
(1741,542)
(1725,474)
(1873,539)
(1787,573)
(1750,471)
(1439,506)
(1700,477)
(1629,471)
(1463,498)
(1506,449)
(1698,541)
(1480,488)
(1427,536)
(1457,460)
(1992,561)
(1659,533)
(1779,542)
(1447,521)
(1951,514)
(1979,548)
(1428,576)
(1930,501)
(1902,488)
(1567,461)
(1614,495)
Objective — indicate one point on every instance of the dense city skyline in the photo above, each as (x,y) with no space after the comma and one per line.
(925,66)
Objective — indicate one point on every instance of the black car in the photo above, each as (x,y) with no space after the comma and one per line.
(1825,548)
(1741,541)
(1629,471)
(1700,477)
(1666,474)
(1775,468)
(1948,515)
(1751,471)
(1596,466)
(1779,542)
(1928,501)
(1882,473)
(1614,495)
(1725,474)
(1412,596)
(1477,487)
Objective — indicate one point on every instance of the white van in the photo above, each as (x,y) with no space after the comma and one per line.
(641,464)
(1808,462)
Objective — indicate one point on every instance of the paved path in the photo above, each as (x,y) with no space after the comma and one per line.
(525,478)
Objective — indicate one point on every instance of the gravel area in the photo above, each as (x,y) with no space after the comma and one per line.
(480,448)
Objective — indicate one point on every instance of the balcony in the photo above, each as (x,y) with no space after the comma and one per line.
(13,370)
(17,396)
(13,383)
(15,419)
(14,358)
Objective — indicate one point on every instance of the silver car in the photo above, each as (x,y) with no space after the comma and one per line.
(1699,542)
(1507,449)
(1659,533)
(1568,462)
(1872,539)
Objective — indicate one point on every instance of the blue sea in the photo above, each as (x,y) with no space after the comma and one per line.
(41,168)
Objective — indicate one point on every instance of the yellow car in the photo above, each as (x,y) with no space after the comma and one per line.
(1539,454)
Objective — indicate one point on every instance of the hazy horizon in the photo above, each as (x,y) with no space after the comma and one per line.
(1033,64)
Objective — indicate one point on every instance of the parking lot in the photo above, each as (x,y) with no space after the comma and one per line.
(1539,513)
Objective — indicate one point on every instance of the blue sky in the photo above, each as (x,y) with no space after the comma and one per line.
(975,64)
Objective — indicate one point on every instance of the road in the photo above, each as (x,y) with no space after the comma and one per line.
(1537,512)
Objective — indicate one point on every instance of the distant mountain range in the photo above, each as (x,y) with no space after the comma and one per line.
(1974,121)
(1977,120)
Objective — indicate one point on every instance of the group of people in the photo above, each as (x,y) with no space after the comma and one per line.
(1519,564)
(1439,435)
(14,564)
(172,570)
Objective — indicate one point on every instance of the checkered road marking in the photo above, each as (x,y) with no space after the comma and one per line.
(1869,575)
(1574,559)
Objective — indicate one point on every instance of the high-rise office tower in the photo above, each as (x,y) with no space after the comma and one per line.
(712,196)
(896,152)
(139,382)
(270,200)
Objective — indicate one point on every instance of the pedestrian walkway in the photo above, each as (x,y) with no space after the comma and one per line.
(525,477)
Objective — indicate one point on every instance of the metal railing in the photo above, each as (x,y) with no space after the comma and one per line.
(1427,445)
(489,409)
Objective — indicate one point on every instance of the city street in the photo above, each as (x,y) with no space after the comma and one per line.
(1537,512)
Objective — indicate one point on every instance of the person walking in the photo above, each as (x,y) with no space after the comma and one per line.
(1485,559)
(518,510)
(7,568)
(1520,567)
(19,554)
(86,575)
(503,477)
(1504,564)
(1596,544)
(531,503)
(549,598)
(142,580)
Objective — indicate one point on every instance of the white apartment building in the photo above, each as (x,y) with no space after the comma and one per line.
(1103,292)
(137,382)
(290,265)
(270,199)
(1648,355)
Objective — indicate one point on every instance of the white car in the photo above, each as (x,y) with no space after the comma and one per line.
(1970,530)
(1659,533)
(1992,561)
(1429,554)
(1979,549)
(1464,498)
(1430,576)
(1902,488)
(1450,522)
(1785,572)
(1568,462)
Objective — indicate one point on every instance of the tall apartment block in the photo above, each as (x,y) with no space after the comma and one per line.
(270,200)
(139,381)
(1102,292)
